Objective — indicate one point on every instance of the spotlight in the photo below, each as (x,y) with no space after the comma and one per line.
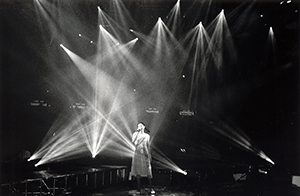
(79,35)
(91,42)
(262,171)
(130,30)
(61,45)
(184,172)
(31,158)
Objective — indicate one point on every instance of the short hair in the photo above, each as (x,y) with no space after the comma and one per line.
(142,124)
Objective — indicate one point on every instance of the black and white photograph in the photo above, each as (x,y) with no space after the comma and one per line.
(149,97)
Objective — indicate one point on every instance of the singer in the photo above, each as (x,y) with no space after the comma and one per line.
(141,161)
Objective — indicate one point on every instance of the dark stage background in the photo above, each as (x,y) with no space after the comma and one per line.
(265,105)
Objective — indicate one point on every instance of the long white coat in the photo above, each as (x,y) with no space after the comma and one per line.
(141,161)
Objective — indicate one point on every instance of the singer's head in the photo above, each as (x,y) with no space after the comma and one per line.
(140,126)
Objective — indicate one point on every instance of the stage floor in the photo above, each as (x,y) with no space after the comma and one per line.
(123,191)
(177,191)
(129,189)
(113,181)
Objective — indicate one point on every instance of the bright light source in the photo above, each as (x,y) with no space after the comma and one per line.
(184,172)
(130,30)
(32,158)
(271,32)
(79,35)
(61,45)
(289,1)
(262,171)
